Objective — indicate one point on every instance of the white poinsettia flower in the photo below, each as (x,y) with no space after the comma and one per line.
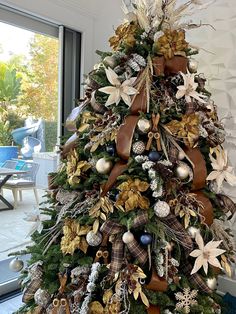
(221,170)
(206,254)
(188,90)
(118,90)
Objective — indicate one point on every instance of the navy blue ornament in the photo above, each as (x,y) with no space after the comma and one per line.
(154,156)
(111,150)
(146,239)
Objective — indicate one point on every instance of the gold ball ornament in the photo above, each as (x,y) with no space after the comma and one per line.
(103,166)
(192,65)
(16,265)
(128,237)
(138,147)
(182,171)
(193,231)
(181,155)
(110,62)
(211,283)
(94,239)
(144,125)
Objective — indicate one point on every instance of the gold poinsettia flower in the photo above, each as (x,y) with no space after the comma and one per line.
(75,167)
(124,34)
(187,129)
(74,237)
(130,195)
(171,43)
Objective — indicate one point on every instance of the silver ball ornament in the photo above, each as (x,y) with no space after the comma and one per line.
(103,166)
(128,237)
(16,265)
(211,283)
(192,65)
(42,297)
(182,171)
(192,231)
(138,147)
(161,209)
(94,239)
(181,155)
(110,62)
(144,125)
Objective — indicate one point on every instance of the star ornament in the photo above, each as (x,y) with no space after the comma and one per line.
(221,170)
(206,254)
(188,90)
(118,90)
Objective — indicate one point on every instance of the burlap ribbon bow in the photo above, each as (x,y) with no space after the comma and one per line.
(110,227)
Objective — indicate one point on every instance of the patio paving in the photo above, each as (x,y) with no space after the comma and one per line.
(14,229)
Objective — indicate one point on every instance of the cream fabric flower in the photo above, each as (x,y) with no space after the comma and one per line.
(206,254)
(119,90)
(221,170)
(189,89)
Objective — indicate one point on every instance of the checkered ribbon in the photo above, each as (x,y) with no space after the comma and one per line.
(173,154)
(117,257)
(190,108)
(195,278)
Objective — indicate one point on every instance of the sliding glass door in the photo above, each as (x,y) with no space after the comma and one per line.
(39,86)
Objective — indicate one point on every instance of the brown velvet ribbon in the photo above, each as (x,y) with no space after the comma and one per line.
(199,171)
(125,137)
(171,66)
(199,182)
(153,309)
(157,283)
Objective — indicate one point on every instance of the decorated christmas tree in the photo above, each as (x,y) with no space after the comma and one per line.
(136,215)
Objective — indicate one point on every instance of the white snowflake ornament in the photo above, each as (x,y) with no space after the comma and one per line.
(186,299)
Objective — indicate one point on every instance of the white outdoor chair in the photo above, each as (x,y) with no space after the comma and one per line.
(25,181)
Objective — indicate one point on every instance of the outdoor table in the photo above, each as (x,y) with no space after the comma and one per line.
(6,174)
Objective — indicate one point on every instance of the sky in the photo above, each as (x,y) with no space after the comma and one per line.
(13,40)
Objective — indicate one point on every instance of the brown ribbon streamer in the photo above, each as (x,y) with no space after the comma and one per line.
(170,66)
(207,212)
(153,309)
(157,283)
(116,171)
(199,182)
(139,102)
(200,170)
(110,227)
(125,137)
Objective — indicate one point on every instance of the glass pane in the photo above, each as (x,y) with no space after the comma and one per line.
(28,131)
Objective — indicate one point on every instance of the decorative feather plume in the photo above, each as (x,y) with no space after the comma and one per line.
(165,14)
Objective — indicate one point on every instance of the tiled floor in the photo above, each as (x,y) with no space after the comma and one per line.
(14,229)
(11,305)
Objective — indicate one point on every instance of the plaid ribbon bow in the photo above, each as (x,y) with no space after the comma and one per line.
(117,256)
